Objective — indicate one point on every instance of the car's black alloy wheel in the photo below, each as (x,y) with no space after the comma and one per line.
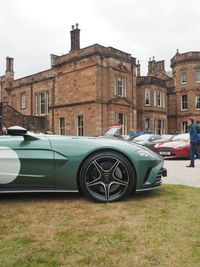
(107,177)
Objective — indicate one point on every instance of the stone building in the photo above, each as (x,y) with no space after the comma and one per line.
(83,93)
(88,89)
(184,91)
(152,98)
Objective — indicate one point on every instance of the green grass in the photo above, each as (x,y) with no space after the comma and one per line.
(158,228)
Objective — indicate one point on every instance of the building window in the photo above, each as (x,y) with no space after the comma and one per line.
(198,76)
(183,77)
(121,119)
(23,100)
(120,89)
(62,126)
(159,126)
(147,97)
(42,103)
(119,86)
(184,105)
(154,126)
(147,124)
(198,102)
(80,125)
(154,97)
(159,98)
(163,127)
(184,127)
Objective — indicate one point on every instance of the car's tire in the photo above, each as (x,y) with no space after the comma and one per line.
(107,176)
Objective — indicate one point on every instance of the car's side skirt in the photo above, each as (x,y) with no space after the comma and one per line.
(38,191)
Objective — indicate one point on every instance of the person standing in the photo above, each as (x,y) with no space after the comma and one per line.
(4,131)
(193,142)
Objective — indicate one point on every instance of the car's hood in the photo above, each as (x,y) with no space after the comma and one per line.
(173,143)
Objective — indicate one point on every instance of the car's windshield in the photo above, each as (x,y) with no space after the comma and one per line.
(167,136)
(147,137)
(111,131)
(181,137)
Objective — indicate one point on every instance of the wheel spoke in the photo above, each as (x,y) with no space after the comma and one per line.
(98,167)
(95,182)
(119,181)
(114,167)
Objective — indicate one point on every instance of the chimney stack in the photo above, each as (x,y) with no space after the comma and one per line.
(75,38)
(9,67)
(138,68)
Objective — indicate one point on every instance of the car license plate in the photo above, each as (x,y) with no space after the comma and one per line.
(165,153)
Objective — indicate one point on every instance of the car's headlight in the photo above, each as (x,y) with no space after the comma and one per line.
(143,153)
(181,145)
(156,146)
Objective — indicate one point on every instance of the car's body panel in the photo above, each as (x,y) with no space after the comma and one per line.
(36,162)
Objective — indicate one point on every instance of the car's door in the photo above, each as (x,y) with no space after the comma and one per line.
(26,163)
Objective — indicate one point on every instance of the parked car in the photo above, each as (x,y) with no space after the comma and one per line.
(148,140)
(106,170)
(177,147)
(166,137)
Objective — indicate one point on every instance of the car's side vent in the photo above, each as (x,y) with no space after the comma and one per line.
(147,175)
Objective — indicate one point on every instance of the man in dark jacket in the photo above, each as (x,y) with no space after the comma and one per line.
(193,142)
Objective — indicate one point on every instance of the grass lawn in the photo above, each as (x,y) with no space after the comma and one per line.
(158,228)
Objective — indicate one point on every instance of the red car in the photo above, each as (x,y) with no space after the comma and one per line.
(178,147)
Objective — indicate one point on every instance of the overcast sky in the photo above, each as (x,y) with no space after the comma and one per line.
(31,30)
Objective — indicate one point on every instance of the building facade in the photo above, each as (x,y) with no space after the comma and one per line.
(87,90)
(184,91)
(83,93)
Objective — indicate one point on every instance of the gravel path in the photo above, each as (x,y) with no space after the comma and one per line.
(178,173)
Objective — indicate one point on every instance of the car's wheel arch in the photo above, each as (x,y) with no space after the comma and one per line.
(100,151)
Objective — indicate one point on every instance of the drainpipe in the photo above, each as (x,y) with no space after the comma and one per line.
(53,103)
(32,96)
(102,105)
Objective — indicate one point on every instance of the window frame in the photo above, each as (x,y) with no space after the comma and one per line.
(79,127)
(42,103)
(23,100)
(183,77)
(122,121)
(147,96)
(184,102)
(147,123)
(197,76)
(61,128)
(184,126)
(197,102)
(159,129)
(120,86)
(159,98)
(155,97)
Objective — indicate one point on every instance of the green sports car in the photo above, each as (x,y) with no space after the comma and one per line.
(105,170)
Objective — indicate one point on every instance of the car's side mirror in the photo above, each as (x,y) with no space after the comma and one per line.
(16,130)
(20,131)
